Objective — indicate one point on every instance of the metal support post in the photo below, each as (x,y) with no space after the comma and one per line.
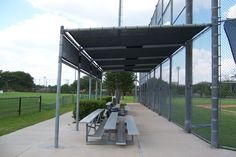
(58,96)
(78,99)
(96,93)
(171,12)
(90,86)
(101,90)
(154,89)
(120,13)
(40,103)
(19,107)
(189,73)
(162,12)
(215,77)
(160,88)
(135,89)
(170,92)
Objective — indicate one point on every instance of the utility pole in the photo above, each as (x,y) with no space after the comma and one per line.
(120,13)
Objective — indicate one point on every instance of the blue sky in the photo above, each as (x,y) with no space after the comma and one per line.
(15,11)
(29,29)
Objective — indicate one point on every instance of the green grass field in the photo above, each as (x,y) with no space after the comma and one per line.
(201,114)
(11,121)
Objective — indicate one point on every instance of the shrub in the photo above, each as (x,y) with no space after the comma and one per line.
(88,106)
(107,98)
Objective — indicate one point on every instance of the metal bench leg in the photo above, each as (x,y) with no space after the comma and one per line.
(86,132)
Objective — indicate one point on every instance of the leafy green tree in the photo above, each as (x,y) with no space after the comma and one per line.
(202,88)
(65,88)
(124,81)
(16,81)
(84,84)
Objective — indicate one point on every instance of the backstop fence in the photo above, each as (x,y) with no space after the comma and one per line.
(163,90)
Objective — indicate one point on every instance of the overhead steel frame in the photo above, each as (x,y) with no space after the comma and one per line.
(59,74)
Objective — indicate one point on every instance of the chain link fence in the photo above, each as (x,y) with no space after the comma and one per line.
(19,106)
(165,93)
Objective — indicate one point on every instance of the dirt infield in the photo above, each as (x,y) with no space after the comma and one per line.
(224,108)
(208,106)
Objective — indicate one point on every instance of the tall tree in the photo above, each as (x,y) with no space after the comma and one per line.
(124,81)
(84,84)
(16,81)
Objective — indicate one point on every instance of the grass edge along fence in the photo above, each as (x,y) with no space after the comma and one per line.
(18,105)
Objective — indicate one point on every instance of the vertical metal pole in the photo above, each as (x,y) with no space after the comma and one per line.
(189,72)
(19,108)
(154,93)
(40,103)
(58,96)
(160,88)
(96,93)
(170,93)
(78,99)
(120,13)
(148,89)
(135,88)
(215,77)
(90,86)
(162,11)
(101,89)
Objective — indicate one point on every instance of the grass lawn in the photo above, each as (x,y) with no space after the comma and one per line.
(30,113)
(127,99)
(202,116)
(10,124)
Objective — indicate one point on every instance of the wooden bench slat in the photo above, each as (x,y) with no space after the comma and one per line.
(131,126)
(111,121)
(89,118)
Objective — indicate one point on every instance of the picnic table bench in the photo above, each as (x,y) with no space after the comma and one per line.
(121,127)
(132,129)
(111,121)
(93,121)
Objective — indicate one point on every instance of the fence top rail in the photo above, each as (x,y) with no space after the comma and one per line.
(19,97)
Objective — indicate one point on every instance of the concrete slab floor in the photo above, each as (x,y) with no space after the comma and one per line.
(158,138)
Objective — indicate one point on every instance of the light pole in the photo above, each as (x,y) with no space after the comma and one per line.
(178,68)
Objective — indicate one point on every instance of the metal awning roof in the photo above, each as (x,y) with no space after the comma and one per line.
(137,49)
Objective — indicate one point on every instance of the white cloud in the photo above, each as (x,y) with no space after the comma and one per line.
(201,65)
(201,4)
(231,13)
(197,5)
(99,13)
(32,45)
(228,68)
